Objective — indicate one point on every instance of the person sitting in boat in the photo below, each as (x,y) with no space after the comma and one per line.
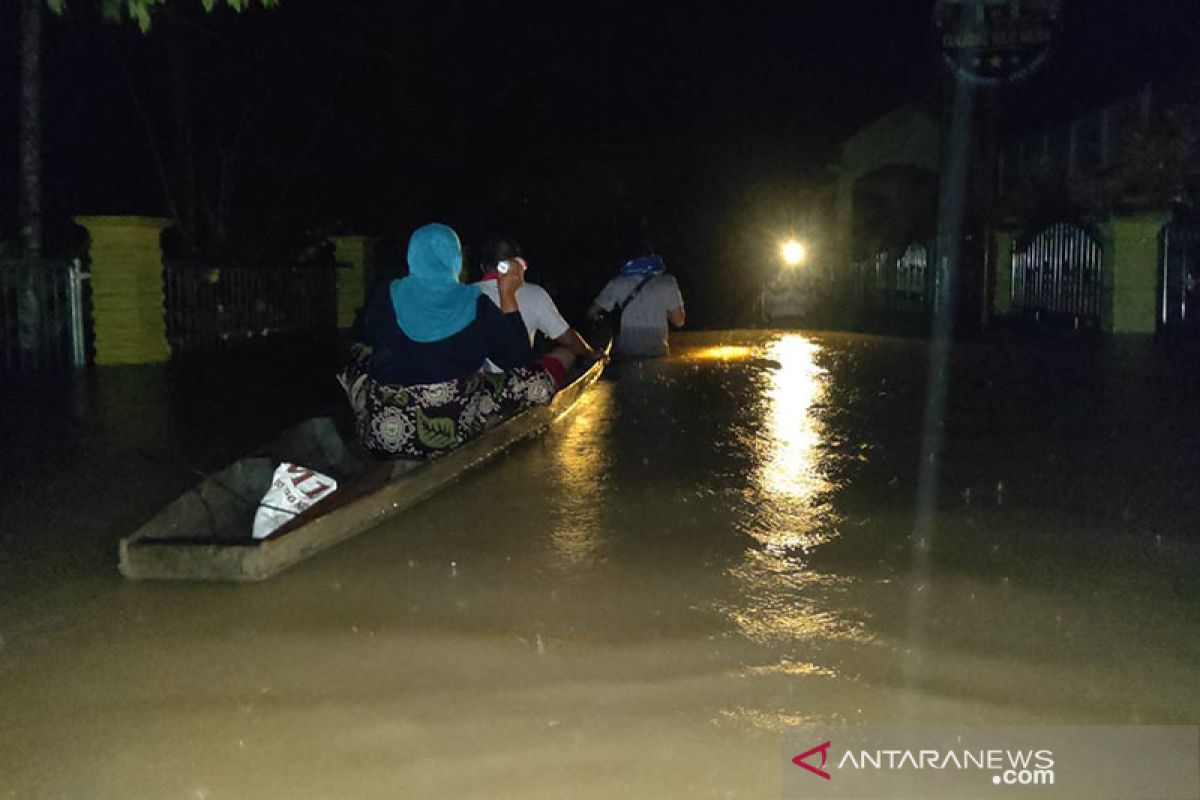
(649,304)
(537,308)
(416,384)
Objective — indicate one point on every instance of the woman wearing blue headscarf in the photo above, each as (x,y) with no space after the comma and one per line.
(416,384)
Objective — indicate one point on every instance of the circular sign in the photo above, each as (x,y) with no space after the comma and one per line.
(995,41)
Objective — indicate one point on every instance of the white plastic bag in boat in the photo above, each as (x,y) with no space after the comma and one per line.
(293,490)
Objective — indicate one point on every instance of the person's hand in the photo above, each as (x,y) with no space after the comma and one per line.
(592,354)
(508,283)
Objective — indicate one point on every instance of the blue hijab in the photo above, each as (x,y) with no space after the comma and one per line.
(643,265)
(430,303)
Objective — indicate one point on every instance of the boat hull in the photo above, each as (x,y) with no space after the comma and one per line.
(189,539)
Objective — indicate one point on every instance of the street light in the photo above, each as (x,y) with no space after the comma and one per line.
(793,253)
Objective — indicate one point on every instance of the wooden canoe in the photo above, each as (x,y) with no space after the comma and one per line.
(205,533)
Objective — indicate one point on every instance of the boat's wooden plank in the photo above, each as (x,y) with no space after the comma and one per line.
(376,496)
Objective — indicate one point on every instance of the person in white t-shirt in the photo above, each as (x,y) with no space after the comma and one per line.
(651,305)
(538,310)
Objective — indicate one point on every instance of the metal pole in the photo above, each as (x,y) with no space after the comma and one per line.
(1166,275)
(988,163)
(30,163)
(75,279)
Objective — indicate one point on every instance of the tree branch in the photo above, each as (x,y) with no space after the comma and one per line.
(152,142)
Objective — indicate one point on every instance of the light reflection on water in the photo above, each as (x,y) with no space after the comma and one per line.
(790,469)
(720,352)
(783,603)
(782,600)
(582,459)
(788,667)
(790,480)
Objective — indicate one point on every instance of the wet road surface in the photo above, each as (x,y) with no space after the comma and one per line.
(714,547)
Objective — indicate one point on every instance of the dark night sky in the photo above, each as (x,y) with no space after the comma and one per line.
(557,121)
(435,99)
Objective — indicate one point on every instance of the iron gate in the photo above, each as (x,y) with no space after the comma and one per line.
(210,308)
(1059,276)
(908,282)
(1179,279)
(42,315)
(912,272)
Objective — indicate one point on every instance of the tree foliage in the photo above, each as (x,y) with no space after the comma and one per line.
(1157,159)
(202,126)
(141,11)
(1153,165)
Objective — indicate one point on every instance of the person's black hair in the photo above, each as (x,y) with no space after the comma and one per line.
(497,249)
(635,240)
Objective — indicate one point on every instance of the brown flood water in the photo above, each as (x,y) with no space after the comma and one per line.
(714,547)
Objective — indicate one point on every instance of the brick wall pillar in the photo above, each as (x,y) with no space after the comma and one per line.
(353,254)
(1002,296)
(127,289)
(1131,266)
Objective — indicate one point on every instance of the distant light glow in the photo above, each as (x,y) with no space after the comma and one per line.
(793,252)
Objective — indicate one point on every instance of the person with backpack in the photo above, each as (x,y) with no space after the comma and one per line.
(642,302)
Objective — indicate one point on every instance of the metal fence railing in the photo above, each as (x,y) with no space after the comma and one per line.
(1058,276)
(43,315)
(1179,281)
(210,308)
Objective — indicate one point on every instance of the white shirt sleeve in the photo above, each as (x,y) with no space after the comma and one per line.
(543,314)
(607,299)
(674,296)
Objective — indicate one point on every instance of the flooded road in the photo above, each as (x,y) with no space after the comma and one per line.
(713,547)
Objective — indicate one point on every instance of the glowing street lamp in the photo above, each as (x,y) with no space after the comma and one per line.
(783,281)
(793,253)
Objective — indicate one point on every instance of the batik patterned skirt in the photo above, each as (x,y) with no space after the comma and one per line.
(426,420)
